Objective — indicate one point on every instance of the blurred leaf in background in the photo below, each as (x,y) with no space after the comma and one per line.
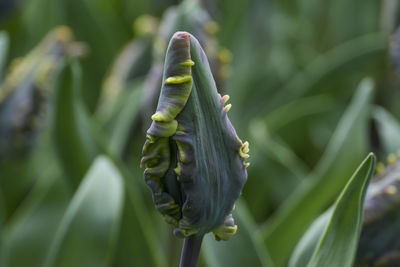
(295,71)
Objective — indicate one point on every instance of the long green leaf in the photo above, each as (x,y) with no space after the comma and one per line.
(4,40)
(30,229)
(336,244)
(388,129)
(296,109)
(125,119)
(276,149)
(93,21)
(74,140)
(2,210)
(139,243)
(285,171)
(344,151)
(2,216)
(243,249)
(86,235)
(309,241)
(323,67)
(28,238)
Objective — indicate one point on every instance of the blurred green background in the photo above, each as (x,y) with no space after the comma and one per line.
(314,87)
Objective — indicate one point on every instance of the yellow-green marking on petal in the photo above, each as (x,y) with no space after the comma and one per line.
(178,79)
(187,63)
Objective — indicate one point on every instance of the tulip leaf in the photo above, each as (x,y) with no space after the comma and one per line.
(334,236)
(139,243)
(74,141)
(28,238)
(127,117)
(4,42)
(285,171)
(308,242)
(345,149)
(2,209)
(388,129)
(324,69)
(2,218)
(245,248)
(2,256)
(127,71)
(91,221)
(296,109)
(30,229)
(276,149)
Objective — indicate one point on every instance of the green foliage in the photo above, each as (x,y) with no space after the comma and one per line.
(91,221)
(332,238)
(313,89)
(388,128)
(309,199)
(75,143)
(245,247)
(3,52)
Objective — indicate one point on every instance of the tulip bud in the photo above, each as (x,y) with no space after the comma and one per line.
(195,162)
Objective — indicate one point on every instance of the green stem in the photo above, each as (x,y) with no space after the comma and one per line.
(191,251)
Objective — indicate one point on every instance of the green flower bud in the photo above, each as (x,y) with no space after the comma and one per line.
(193,157)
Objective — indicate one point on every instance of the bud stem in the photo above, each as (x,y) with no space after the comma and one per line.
(191,251)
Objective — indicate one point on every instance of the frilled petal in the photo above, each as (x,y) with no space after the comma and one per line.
(194,159)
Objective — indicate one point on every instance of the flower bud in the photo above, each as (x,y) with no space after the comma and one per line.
(195,162)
